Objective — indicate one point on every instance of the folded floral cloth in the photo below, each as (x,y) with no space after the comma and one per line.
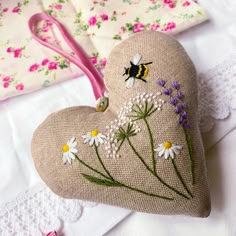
(97,26)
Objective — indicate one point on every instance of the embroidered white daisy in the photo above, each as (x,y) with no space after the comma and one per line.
(69,151)
(168,149)
(94,137)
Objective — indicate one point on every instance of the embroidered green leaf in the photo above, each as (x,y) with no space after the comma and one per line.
(98,181)
(123,134)
(142,113)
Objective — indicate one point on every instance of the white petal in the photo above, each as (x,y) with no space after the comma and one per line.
(97,141)
(73,150)
(65,157)
(176,150)
(100,140)
(71,156)
(74,144)
(161,152)
(71,141)
(64,160)
(166,154)
(179,147)
(102,136)
(69,160)
(86,140)
(86,135)
(65,154)
(91,141)
(158,149)
(172,153)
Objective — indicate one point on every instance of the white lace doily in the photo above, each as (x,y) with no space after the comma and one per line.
(37,212)
(217,93)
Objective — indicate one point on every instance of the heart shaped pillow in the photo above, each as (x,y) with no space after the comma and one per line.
(145,151)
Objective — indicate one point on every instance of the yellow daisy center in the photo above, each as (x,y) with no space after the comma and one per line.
(65,148)
(94,133)
(167,145)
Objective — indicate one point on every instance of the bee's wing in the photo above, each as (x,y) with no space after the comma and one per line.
(136,59)
(130,82)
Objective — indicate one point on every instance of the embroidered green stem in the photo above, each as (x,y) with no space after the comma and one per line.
(91,168)
(101,162)
(155,174)
(120,145)
(180,177)
(190,151)
(137,154)
(115,183)
(146,193)
(111,182)
(152,145)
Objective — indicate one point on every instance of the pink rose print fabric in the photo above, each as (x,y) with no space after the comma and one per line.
(26,66)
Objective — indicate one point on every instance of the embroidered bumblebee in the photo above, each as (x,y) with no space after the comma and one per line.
(136,71)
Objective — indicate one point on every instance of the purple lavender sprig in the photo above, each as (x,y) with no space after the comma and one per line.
(176,97)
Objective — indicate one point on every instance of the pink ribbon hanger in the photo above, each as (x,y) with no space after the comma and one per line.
(82,60)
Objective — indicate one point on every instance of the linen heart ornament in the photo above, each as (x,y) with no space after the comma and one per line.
(145,151)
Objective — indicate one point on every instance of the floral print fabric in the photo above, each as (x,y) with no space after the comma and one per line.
(97,25)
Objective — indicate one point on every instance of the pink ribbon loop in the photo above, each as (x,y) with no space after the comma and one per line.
(82,60)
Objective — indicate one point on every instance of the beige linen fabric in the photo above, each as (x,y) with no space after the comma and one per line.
(169,62)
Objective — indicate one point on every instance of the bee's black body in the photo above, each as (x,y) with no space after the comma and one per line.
(137,71)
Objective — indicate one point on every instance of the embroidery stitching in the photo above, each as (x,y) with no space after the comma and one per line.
(137,110)
(108,179)
(136,71)
(176,99)
(69,150)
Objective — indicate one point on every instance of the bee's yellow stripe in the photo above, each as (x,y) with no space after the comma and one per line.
(145,71)
(139,71)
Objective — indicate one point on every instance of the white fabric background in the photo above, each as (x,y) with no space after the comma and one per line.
(207,44)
